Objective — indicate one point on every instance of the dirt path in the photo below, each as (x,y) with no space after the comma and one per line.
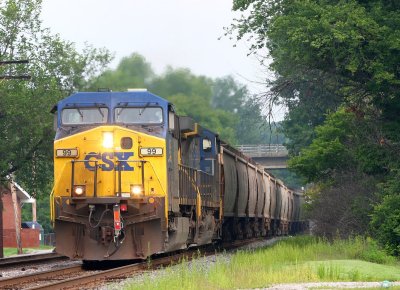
(332,285)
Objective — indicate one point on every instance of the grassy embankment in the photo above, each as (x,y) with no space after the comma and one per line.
(13,251)
(298,259)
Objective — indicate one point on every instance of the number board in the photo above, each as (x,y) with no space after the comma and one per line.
(67,152)
(151,151)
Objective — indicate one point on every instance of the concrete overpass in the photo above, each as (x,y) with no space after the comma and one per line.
(271,156)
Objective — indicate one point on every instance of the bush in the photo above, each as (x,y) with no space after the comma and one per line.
(386,223)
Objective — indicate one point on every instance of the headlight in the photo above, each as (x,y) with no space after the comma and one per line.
(108,140)
(136,190)
(79,190)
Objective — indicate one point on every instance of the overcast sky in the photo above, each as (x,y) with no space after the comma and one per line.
(180,33)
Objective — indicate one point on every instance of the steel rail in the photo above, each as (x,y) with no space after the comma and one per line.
(24,279)
(102,277)
(29,259)
(123,271)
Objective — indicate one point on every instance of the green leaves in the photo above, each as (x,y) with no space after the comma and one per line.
(132,72)
(386,222)
(222,105)
(56,69)
(328,151)
(336,65)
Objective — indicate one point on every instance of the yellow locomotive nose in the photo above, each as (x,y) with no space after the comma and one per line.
(111,161)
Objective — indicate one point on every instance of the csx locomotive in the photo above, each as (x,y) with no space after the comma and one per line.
(132,178)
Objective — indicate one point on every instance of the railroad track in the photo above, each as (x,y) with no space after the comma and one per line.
(75,277)
(61,278)
(27,281)
(29,259)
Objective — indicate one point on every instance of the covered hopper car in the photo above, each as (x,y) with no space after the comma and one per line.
(132,178)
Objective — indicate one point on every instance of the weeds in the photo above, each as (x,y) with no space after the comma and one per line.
(299,259)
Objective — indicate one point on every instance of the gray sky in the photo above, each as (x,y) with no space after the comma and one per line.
(180,33)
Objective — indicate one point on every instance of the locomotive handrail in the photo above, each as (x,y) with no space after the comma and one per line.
(94,179)
(192,181)
(198,170)
(52,211)
(120,175)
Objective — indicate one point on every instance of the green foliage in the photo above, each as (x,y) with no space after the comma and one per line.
(201,111)
(56,69)
(253,127)
(329,55)
(228,95)
(291,179)
(386,222)
(182,81)
(328,151)
(222,105)
(293,260)
(355,42)
(132,72)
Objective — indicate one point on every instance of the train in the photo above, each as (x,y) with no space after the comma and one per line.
(132,178)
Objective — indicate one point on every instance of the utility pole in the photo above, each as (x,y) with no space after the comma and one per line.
(10,77)
(17,215)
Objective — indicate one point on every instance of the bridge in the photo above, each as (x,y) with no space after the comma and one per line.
(271,156)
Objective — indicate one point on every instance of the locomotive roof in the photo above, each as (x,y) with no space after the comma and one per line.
(112,99)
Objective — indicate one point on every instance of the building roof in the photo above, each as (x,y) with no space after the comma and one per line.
(23,196)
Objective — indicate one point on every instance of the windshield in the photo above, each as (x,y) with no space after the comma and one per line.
(139,115)
(78,116)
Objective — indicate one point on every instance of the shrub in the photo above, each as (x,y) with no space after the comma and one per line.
(386,223)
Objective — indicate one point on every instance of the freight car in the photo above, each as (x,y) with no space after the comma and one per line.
(132,178)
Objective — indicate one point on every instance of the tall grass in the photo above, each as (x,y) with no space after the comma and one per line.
(299,259)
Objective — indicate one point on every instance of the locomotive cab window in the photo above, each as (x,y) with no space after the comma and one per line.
(83,116)
(139,115)
(207,145)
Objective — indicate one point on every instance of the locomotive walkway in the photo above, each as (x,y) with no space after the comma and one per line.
(271,156)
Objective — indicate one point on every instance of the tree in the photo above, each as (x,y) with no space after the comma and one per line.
(336,66)
(132,72)
(182,81)
(251,126)
(56,69)
(335,51)
(329,152)
(228,95)
(386,223)
(192,96)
